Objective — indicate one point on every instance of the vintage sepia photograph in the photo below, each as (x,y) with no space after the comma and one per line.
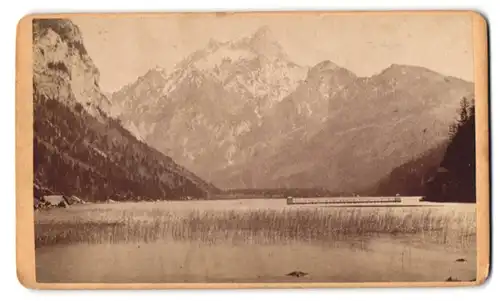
(254,148)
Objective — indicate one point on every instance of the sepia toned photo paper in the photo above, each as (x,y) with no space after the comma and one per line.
(252,150)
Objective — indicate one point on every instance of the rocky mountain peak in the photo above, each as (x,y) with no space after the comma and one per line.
(263,33)
(62,68)
(213,43)
(323,66)
(401,70)
(262,42)
(155,74)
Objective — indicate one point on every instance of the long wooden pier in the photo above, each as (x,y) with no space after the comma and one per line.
(343,200)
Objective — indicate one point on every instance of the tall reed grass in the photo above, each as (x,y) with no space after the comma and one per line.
(261,227)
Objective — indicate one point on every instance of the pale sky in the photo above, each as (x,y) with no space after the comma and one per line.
(126,47)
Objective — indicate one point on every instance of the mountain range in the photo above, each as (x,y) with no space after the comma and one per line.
(242,115)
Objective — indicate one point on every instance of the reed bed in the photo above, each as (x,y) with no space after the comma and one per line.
(260,226)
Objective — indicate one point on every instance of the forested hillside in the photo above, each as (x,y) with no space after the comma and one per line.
(409,179)
(455,180)
(444,173)
(80,150)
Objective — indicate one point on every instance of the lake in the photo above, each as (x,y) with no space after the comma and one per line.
(255,241)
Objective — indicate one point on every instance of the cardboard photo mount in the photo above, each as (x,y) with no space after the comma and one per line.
(25,249)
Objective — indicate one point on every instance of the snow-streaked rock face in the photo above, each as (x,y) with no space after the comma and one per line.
(212,101)
(373,125)
(242,115)
(254,67)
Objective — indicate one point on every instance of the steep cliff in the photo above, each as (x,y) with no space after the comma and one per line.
(78,147)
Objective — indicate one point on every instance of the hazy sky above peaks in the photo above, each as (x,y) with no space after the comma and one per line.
(125,47)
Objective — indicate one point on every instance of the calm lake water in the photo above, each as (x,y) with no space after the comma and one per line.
(378,258)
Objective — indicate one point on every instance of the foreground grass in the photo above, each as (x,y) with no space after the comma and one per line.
(259,226)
